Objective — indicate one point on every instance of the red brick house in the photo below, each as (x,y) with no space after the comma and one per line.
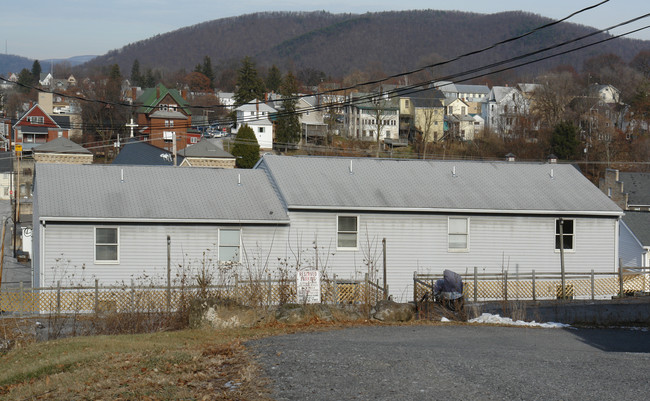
(36,127)
(164,114)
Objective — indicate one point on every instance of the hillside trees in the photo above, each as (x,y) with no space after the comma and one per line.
(288,124)
(246,149)
(249,85)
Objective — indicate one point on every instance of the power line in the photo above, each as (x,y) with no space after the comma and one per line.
(474,52)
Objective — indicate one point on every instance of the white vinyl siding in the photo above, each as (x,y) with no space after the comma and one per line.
(414,242)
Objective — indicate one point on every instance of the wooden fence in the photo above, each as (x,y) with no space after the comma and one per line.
(84,299)
(542,285)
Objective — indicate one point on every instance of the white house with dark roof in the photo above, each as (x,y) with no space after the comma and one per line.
(292,211)
(257,116)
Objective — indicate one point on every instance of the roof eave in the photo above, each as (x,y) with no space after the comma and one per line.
(114,220)
(598,213)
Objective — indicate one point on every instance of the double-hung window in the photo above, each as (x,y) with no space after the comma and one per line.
(229,245)
(458,234)
(568,231)
(107,245)
(347,232)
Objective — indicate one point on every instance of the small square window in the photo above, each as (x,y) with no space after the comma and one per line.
(106,245)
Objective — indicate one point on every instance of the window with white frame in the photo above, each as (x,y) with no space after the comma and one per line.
(107,244)
(568,232)
(347,231)
(229,245)
(458,233)
(260,130)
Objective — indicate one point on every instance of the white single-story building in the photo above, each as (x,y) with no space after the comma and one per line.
(323,212)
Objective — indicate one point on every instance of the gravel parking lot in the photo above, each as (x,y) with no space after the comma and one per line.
(464,362)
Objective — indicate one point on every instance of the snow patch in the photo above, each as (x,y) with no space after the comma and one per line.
(444,319)
(496,319)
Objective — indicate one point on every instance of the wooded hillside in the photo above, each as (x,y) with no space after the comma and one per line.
(339,44)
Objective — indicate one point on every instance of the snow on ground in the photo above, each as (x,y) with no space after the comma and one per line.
(496,319)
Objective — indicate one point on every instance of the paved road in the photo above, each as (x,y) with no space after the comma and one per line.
(470,362)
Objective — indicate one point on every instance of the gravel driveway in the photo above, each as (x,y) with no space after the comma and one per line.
(458,363)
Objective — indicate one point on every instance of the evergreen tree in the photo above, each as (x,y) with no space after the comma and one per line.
(564,141)
(249,85)
(36,72)
(25,80)
(149,81)
(246,149)
(288,124)
(136,76)
(273,79)
(207,70)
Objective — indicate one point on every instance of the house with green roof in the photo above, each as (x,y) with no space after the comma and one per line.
(164,117)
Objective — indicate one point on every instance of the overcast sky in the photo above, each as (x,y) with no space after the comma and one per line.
(42,29)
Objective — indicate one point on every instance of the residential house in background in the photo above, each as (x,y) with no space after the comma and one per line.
(55,104)
(631,192)
(36,127)
(503,110)
(371,117)
(206,154)
(141,153)
(257,115)
(422,114)
(62,150)
(164,117)
(635,239)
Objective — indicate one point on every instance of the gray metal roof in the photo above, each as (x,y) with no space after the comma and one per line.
(206,149)
(637,185)
(417,185)
(155,194)
(639,224)
(61,145)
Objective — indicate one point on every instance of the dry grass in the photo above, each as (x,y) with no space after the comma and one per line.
(186,364)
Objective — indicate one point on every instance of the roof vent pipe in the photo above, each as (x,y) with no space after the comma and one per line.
(552,175)
(239,180)
(121,175)
(453,171)
(350,169)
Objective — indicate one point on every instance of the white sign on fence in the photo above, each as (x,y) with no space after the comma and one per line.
(308,286)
